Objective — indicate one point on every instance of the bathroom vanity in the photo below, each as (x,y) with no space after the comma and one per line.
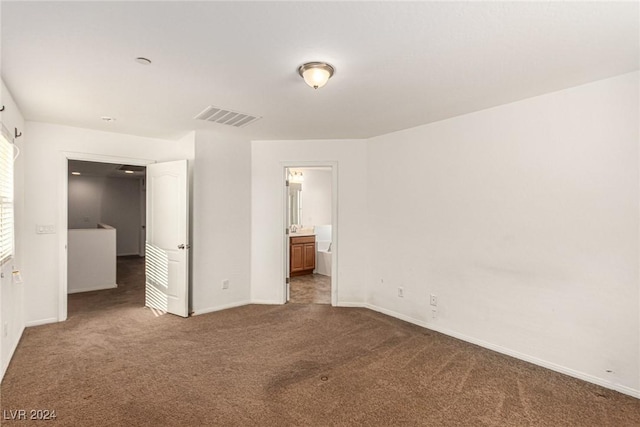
(302,255)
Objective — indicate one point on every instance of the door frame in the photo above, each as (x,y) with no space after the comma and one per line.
(334,223)
(63,221)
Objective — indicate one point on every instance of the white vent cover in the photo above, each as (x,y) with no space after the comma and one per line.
(226,117)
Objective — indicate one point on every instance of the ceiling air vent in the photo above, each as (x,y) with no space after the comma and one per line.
(226,117)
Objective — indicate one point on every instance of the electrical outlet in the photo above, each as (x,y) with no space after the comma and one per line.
(225,284)
(434,300)
(401,292)
(434,313)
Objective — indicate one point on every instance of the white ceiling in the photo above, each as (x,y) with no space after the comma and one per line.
(398,64)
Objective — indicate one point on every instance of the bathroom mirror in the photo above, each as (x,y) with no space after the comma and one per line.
(295,203)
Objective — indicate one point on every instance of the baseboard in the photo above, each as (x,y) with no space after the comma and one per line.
(353,304)
(13,350)
(97,288)
(265,302)
(516,354)
(220,307)
(41,322)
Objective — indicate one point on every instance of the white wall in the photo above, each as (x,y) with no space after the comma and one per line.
(45,179)
(523,219)
(113,201)
(85,201)
(316,197)
(92,259)
(268,159)
(221,222)
(12,294)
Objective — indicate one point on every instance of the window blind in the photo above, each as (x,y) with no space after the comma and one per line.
(6,196)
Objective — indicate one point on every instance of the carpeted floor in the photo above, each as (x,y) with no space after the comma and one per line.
(310,289)
(114,363)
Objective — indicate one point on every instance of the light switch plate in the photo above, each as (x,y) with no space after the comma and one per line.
(45,229)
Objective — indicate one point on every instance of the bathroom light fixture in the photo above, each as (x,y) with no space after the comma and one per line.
(75,173)
(296,176)
(127,171)
(316,74)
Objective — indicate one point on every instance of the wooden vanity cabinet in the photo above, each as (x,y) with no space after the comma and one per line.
(302,255)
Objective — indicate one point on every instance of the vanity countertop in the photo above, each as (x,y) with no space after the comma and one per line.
(301,234)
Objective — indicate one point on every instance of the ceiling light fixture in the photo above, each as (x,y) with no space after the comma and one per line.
(316,74)
(143,61)
(128,171)
(75,173)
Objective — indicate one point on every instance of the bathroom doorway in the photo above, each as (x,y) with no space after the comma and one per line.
(310,235)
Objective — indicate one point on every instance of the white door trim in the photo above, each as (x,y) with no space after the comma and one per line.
(334,223)
(63,213)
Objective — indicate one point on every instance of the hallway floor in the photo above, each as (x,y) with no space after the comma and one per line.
(128,294)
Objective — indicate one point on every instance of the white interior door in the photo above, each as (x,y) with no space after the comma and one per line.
(167,238)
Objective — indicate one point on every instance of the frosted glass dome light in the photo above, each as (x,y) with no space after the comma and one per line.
(316,74)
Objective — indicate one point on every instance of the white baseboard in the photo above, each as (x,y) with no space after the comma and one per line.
(353,304)
(220,307)
(97,288)
(41,322)
(265,302)
(13,350)
(522,356)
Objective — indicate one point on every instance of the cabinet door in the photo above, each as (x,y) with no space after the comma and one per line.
(297,257)
(309,256)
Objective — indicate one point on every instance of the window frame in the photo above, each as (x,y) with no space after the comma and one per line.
(7,251)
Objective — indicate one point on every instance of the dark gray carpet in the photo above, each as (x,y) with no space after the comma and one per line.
(114,363)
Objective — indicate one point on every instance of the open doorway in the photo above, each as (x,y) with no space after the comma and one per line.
(106,207)
(310,225)
(167,243)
